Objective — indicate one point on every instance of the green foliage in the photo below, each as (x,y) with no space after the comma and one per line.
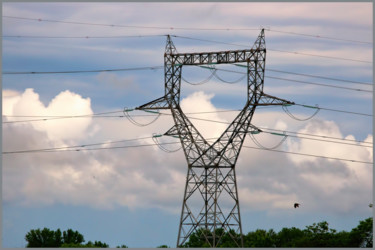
(67,239)
(43,238)
(260,238)
(205,238)
(73,237)
(98,244)
(122,246)
(315,235)
(362,235)
(289,237)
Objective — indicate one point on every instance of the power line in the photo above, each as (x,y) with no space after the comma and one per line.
(80,71)
(296,133)
(299,81)
(191,28)
(311,155)
(208,120)
(79,37)
(198,39)
(124,26)
(276,50)
(76,148)
(46,118)
(319,36)
(54,117)
(83,148)
(160,67)
(321,77)
(314,135)
(291,80)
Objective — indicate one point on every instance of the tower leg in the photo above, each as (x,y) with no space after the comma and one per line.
(211,221)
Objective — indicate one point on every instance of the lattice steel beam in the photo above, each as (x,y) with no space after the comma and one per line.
(211,176)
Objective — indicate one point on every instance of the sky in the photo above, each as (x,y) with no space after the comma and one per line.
(106,177)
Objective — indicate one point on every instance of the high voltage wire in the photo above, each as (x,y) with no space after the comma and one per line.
(188,28)
(297,133)
(319,36)
(233,71)
(80,71)
(321,77)
(276,50)
(46,118)
(209,120)
(83,148)
(79,37)
(99,114)
(306,82)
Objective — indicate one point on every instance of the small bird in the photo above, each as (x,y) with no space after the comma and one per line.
(296,205)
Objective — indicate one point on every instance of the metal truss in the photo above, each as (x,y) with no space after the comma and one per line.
(210,202)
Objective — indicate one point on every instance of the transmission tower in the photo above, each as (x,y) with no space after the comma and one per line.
(210,202)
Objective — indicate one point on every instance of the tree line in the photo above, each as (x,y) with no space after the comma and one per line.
(315,235)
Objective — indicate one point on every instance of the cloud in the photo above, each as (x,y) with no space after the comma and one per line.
(148,177)
(64,104)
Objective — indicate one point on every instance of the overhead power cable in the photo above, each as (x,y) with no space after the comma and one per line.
(80,71)
(319,36)
(73,148)
(125,26)
(192,28)
(311,155)
(46,118)
(160,67)
(276,50)
(304,82)
(84,148)
(56,117)
(321,77)
(79,37)
(268,130)
(319,84)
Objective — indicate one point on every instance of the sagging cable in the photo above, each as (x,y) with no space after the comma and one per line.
(127,115)
(214,71)
(202,82)
(230,82)
(252,133)
(286,110)
(156,141)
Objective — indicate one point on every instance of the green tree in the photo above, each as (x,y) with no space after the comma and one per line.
(289,237)
(318,235)
(204,238)
(98,244)
(198,239)
(43,238)
(73,237)
(122,246)
(362,235)
(260,238)
(163,246)
(67,239)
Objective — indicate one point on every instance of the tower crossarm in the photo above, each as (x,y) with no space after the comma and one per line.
(222,57)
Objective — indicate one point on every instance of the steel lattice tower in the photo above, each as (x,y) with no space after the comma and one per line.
(211,184)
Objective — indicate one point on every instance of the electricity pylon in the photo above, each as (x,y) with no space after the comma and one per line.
(210,202)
